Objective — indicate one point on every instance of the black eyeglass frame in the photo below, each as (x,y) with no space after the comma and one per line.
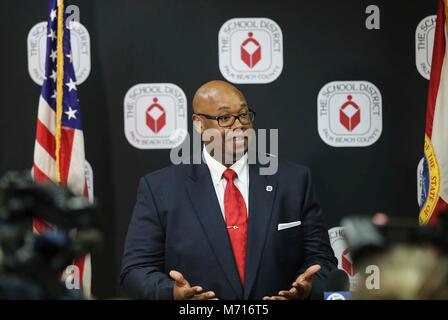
(235,117)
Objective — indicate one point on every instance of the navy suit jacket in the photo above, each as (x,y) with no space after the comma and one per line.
(177,224)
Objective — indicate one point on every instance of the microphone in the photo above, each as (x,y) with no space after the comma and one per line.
(337,286)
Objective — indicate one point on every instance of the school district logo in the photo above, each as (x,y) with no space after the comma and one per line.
(349,114)
(37,46)
(155,116)
(250,50)
(424,42)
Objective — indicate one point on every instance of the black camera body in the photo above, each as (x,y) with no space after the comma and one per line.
(366,238)
(31,264)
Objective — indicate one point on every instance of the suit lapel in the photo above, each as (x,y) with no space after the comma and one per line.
(205,202)
(260,208)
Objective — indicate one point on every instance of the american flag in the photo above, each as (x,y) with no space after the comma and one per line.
(435,166)
(59,147)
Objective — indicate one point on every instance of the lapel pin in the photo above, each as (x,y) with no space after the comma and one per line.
(269,188)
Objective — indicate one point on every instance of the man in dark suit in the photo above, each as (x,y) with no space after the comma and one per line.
(219,230)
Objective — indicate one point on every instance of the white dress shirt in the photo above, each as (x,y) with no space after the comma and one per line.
(216,168)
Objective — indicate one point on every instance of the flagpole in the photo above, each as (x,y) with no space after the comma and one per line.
(59,86)
(445,4)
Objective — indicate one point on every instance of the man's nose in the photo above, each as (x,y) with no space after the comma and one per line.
(238,125)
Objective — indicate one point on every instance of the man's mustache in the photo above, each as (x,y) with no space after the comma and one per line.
(236,134)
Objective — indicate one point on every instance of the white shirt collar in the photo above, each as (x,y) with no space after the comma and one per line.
(217,168)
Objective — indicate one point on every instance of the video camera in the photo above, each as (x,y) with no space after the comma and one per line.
(31,264)
(367,237)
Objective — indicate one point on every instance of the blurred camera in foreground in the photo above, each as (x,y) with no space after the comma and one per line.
(31,264)
(411,260)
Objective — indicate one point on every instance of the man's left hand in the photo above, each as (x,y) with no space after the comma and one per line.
(301,287)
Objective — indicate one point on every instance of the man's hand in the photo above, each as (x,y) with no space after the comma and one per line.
(183,291)
(301,288)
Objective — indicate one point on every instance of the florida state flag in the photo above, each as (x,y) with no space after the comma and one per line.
(435,166)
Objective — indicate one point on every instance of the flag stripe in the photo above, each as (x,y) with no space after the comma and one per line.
(87,275)
(79,262)
(39,175)
(441,206)
(47,116)
(436,67)
(40,226)
(44,161)
(76,177)
(65,153)
(45,138)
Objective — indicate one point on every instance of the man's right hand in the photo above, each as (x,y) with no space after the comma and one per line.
(183,291)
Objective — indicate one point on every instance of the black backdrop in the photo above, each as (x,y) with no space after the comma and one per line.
(157,41)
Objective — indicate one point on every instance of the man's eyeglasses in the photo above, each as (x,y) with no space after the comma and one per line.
(228,120)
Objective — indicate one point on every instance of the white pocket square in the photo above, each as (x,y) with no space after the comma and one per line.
(283,226)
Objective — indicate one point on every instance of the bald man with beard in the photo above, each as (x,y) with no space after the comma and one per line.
(219,229)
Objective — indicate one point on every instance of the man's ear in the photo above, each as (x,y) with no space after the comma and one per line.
(197,124)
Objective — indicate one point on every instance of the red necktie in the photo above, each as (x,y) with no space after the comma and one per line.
(236,221)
